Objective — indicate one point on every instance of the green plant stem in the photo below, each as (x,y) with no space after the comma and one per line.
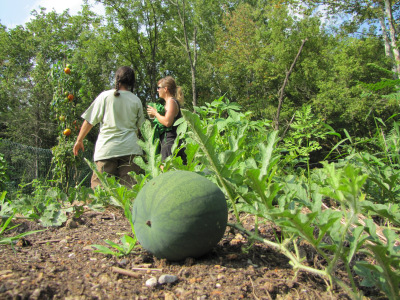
(331,266)
(353,284)
(231,197)
(338,253)
(297,265)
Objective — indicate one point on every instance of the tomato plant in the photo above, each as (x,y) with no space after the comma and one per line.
(66,97)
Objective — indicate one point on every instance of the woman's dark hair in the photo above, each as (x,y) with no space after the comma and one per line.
(124,76)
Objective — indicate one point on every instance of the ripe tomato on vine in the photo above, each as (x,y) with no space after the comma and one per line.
(67,132)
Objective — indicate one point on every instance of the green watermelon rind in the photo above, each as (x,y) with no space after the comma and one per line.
(179,214)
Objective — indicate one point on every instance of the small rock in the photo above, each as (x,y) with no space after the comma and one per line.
(123,262)
(169,296)
(119,282)
(152,282)
(179,291)
(35,294)
(104,279)
(167,279)
(220,277)
(71,224)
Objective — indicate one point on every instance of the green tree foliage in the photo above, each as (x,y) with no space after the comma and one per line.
(134,29)
(28,54)
(342,100)
(255,48)
(244,51)
(355,16)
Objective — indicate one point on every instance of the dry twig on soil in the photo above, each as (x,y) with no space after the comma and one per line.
(126,272)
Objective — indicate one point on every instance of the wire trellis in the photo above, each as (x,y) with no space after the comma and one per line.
(25,164)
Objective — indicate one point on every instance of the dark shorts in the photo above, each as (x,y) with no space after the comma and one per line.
(167,140)
(118,167)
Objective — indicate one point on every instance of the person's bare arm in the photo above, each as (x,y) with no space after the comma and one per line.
(86,127)
(171,110)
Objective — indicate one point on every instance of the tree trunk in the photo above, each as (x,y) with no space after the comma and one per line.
(193,67)
(388,50)
(192,60)
(393,39)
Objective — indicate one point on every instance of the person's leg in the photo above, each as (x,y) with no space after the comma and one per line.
(126,165)
(109,166)
(166,147)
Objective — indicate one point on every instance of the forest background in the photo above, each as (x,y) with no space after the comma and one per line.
(347,69)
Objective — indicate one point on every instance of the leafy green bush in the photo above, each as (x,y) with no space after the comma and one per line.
(3,173)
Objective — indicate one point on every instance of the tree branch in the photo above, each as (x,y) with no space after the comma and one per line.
(285,82)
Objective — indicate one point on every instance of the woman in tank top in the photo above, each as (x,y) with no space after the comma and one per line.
(173,96)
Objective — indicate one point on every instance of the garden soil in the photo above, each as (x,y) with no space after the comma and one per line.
(59,263)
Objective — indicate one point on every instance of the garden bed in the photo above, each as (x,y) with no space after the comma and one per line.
(59,263)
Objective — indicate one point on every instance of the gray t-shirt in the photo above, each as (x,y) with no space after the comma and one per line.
(119,118)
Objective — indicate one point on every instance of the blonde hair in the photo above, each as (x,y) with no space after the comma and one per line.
(175,91)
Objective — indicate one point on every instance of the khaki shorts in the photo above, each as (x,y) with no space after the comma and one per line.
(118,167)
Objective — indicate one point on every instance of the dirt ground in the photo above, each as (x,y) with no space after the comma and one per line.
(59,263)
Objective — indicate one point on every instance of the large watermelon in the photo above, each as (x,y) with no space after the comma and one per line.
(179,214)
